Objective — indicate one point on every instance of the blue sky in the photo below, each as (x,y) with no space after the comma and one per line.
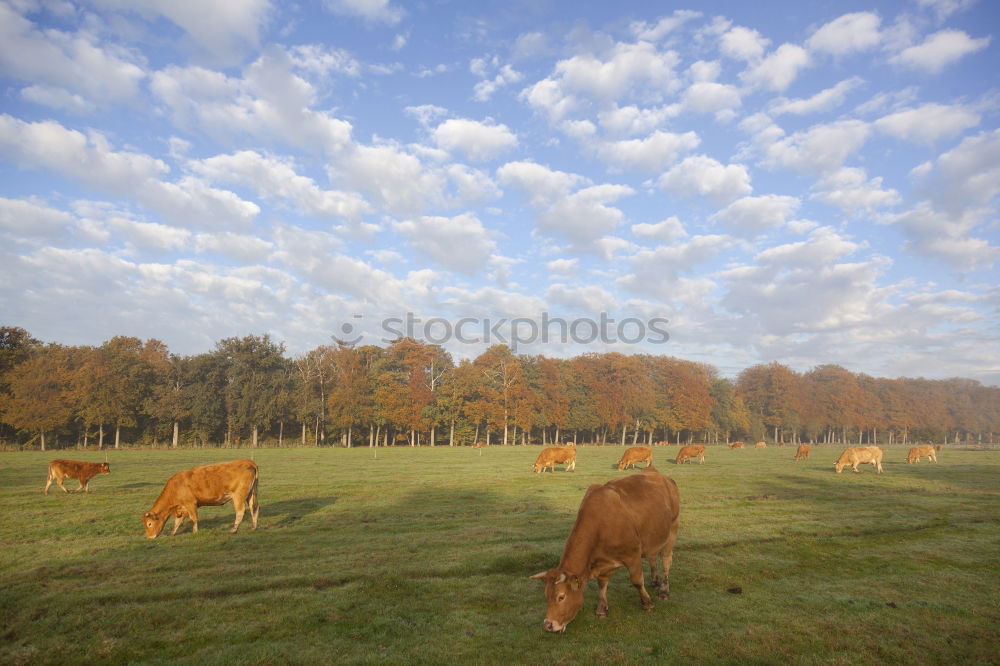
(779,181)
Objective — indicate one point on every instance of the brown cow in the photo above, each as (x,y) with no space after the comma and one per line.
(74,469)
(736,445)
(635,455)
(858,455)
(690,452)
(210,485)
(618,524)
(760,445)
(556,454)
(918,451)
(802,453)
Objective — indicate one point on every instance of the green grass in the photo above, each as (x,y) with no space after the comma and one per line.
(423,556)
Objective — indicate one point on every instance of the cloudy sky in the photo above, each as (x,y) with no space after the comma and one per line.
(779,181)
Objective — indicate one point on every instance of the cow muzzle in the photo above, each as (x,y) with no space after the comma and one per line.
(553,626)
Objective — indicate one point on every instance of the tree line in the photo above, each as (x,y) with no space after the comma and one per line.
(247,391)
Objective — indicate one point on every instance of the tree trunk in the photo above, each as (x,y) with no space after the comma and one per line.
(118,431)
(253,438)
(303,433)
(281,432)
(173,442)
(451,434)
(43,441)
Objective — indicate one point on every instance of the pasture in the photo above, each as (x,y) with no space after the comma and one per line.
(423,556)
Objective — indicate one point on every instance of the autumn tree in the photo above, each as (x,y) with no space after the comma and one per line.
(39,399)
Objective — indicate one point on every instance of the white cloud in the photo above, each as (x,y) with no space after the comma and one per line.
(778,70)
(66,69)
(373,11)
(849,33)
(276,179)
(967,175)
(820,148)
(654,32)
(583,216)
(459,243)
(666,231)
(586,299)
(750,216)
(224,30)
(946,236)
(394,178)
(705,176)
(744,44)
(653,153)
(635,67)
(656,272)
(32,218)
(90,160)
(824,100)
(631,120)
(477,141)
(848,190)
(505,75)
(928,123)
(270,101)
(939,51)
(711,97)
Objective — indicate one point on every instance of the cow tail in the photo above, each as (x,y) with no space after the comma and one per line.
(252,499)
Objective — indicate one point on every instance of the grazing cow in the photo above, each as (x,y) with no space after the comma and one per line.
(210,485)
(736,445)
(635,455)
(858,455)
(618,524)
(918,451)
(802,453)
(760,445)
(556,454)
(689,452)
(74,469)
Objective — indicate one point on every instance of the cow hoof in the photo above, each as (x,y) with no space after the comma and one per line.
(663,595)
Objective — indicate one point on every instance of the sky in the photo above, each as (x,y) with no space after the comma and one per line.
(733,183)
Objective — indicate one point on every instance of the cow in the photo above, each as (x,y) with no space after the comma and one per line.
(802,453)
(917,452)
(209,485)
(74,469)
(736,445)
(690,452)
(760,445)
(556,454)
(635,455)
(938,448)
(858,455)
(618,524)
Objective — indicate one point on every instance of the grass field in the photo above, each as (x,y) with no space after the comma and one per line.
(423,556)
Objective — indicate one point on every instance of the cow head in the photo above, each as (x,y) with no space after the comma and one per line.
(153,524)
(105,468)
(839,466)
(537,467)
(564,593)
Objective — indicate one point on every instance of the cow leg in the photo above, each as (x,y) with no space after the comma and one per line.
(84,487)
(193,512)
(48,482)
(254,508)
(178,519)
(240,507)
(635,574)
(602,595)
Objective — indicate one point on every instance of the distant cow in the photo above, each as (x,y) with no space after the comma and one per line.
(938,448)
(557,454)
(917,452)
(760,445)
(74,469)
(210,485)
(802,453)
(635,455)
(690,452)
(618,524)
(859,455)
(736,445)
